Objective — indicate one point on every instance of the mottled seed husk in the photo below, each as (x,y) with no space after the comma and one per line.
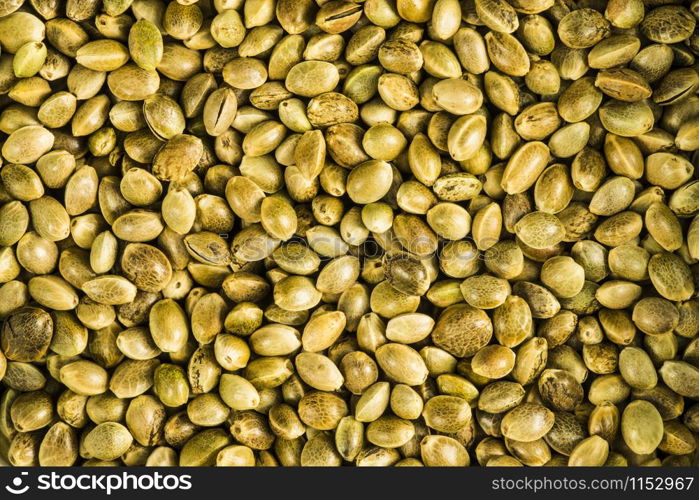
(641,427)
(527,422)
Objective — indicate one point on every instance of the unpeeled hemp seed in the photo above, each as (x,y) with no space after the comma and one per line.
(369,232)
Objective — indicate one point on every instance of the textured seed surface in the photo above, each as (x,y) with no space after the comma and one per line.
(365,233)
